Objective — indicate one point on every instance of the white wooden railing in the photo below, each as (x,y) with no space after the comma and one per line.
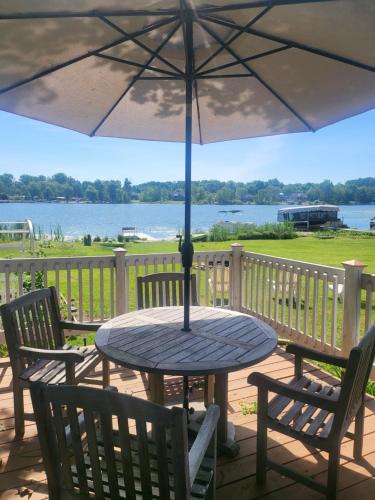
(98,288)
(302,301)
(18,233)
(327,308)
(368,285)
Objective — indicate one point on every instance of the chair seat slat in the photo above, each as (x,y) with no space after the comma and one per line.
(296,408)
(54,371)
(320,418)
(299,414)
(279,403)
(309,412)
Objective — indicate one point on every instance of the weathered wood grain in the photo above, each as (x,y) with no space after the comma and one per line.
(151,340)
(220,341)
(22,472)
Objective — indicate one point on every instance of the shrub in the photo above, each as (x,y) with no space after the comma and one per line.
(3,351)
(39,281)
(97,239)
(39,275)
(270,231)
(87,240)
(219,232)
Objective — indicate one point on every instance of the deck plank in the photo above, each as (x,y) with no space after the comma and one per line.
(22,475)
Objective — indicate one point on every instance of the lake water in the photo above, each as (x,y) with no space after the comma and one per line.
(159,221)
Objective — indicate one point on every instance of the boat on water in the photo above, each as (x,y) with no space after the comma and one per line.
(312,217)
(229,211)
(130,233)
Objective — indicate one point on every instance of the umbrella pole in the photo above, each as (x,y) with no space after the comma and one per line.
(187,247)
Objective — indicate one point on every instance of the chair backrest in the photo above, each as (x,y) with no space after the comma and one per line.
(355,380)
(33,321)
(164,289)
(95,444)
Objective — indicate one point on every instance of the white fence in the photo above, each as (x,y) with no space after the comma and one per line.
(18,235)
(301,300)
(368,285)
(98,288)
(324,307)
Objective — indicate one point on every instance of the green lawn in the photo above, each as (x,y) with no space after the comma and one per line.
(329,252)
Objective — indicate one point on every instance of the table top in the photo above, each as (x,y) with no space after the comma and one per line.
(220,340)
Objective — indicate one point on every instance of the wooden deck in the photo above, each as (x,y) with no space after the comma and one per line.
(22,475)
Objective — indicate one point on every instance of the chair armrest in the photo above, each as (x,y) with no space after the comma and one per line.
(305,352)
(202,441)
(86,327)
(265,383)
(53,354)
(282,342)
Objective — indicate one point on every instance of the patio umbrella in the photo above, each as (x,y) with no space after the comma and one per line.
(195,71)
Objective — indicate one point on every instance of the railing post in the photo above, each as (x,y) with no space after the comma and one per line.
(352,304)
(236,277)
(120,254)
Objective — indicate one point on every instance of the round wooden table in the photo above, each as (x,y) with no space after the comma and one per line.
(220,341)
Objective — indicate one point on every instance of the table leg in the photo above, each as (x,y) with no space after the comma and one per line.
(225,430)
(156,382)
(209,384)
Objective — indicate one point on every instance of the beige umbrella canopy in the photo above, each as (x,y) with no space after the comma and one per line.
(285,66)
(187,70)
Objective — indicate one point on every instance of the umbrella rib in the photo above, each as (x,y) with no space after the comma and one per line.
(91,13)
(145,12)
(213,77)
(234,37)
(198,112)
(259,78)
(134,80)
(256,4)
(136,64)
(81,57)
(292,43)
(141,44)
(163,78)
(243,60)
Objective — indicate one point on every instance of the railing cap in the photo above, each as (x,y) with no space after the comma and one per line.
(236,245)
(119,250)
(353,263)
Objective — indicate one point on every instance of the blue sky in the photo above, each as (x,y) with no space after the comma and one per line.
(339,152)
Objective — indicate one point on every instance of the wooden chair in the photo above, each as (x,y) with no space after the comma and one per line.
(34,333)
(95,444)
(167,289)
(164,289)
(316,414)
(219,283)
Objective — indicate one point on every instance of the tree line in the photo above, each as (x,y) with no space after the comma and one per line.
(64,188)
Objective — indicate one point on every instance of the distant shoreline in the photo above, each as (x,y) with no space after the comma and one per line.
(170,202)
